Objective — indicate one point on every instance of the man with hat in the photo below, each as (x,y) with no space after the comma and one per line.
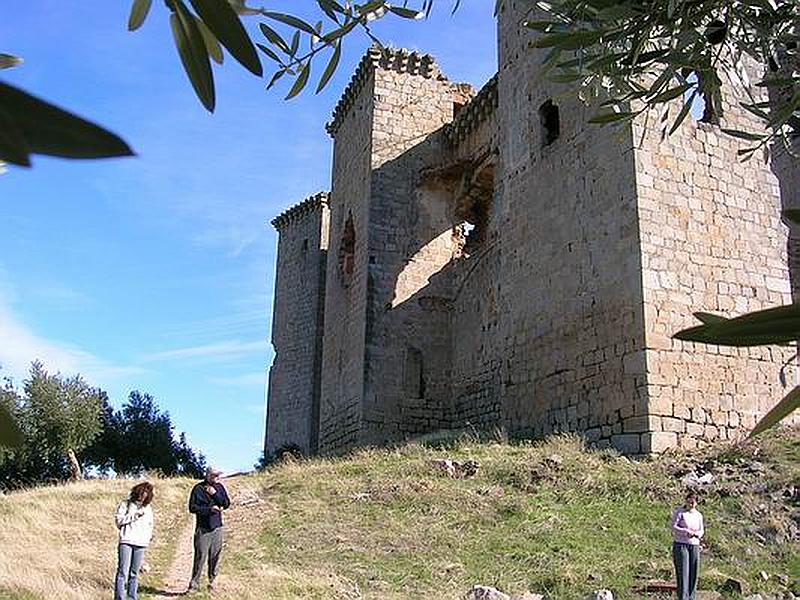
(207,501)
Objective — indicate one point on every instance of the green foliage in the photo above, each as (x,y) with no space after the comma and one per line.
(29,125)
(194,55)
(63,412)
(140,437)
(10,434)
(56,414)
(196,36)
(779,325)
(635,56)
(781,410)
(138,13)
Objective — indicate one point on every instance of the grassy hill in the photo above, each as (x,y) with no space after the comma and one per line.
(551,517)
(60,541)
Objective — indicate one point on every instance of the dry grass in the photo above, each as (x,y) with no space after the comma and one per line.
(382,524)
(550,517)
(60,541)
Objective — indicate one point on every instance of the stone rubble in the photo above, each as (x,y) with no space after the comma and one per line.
(456,469)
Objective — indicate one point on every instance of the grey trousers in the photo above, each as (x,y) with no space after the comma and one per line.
(207,548)
(686,558)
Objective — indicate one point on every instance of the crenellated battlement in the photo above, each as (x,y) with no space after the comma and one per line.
(394,59)
(300,209)
(480,108)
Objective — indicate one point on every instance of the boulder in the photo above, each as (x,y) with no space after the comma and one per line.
(600,595)
(734,586)
(486,592)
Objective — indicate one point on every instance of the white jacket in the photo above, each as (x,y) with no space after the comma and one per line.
(135,523)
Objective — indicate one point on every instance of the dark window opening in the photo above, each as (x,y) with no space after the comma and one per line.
(476,225)
(705,106)
(305,245)
(474,206)
(457,106)
(414,373)
(347,249)
(551,124)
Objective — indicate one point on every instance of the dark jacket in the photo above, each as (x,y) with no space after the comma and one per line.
(201,502)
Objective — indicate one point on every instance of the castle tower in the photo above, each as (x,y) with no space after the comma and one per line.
(386,242)
(614,244)
(297,325)
(496,262)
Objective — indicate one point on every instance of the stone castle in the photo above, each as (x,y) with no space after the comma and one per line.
(491,261)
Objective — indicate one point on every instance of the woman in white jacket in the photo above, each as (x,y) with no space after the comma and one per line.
(135,523)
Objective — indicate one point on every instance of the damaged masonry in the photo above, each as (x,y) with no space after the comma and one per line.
(491,261)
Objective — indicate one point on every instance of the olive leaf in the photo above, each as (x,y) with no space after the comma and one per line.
(224,23)
(29,125)
(193,53)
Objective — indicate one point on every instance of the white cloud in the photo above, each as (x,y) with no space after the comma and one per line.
(229,349)
(20,345)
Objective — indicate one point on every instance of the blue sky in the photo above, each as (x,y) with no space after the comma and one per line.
(156,273)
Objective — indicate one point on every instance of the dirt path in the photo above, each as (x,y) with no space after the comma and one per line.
(180,570)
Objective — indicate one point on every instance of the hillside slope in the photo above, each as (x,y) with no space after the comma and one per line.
(60,541)
(551,518)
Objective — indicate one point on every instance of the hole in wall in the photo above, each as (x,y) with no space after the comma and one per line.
(347,250)
(414,373)
(702,109)
(550,122)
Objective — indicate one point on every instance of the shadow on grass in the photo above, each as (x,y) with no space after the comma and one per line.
(146,589)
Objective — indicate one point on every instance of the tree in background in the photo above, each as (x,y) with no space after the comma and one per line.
(140,437)
(62,421)
(106,446)
(58,416)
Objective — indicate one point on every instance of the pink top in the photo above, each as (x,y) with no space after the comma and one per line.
(687,526)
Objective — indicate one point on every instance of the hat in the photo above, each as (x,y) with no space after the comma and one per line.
(212,471)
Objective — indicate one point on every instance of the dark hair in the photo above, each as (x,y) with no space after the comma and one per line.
(691,495)
(142,493)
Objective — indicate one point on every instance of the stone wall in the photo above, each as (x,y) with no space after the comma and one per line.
(477,362)
(411,241)
(342,388)
(572,324)
(294,378)
(712,241)
(497,262)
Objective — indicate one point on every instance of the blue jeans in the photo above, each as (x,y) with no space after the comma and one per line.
(128,565)
(686,558)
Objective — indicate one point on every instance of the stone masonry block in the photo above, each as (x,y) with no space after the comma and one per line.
(642,423)
(673,424)
(658,441)
(695,430)
(627,443)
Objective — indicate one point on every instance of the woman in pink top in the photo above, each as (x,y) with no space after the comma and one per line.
(687,531)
